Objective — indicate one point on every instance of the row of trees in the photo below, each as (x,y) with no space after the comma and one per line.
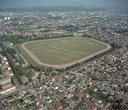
(20,39)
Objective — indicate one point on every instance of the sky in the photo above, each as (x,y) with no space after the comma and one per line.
(62,3)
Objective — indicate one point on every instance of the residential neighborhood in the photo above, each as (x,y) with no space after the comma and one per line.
(97,83)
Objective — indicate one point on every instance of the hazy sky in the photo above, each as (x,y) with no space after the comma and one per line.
(35,3)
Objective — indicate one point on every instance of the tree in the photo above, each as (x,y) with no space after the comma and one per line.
(13,78)
(48,71)
(64,103)
(0,86)
(29,76)
(39,76)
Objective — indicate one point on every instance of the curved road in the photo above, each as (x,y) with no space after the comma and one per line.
(63,65)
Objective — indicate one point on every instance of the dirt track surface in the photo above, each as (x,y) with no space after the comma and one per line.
(63,65)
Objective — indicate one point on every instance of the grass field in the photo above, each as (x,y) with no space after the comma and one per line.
(60,51)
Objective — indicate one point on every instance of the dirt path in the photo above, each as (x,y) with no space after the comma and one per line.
(63,65)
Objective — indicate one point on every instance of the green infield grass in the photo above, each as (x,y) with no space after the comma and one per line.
(61,50)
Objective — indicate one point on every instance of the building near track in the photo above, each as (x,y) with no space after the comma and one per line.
(6,87)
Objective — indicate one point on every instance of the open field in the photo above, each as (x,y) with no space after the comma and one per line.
(61,52)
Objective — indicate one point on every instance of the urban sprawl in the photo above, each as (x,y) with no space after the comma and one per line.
(100,83)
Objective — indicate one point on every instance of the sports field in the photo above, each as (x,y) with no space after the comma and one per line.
(62,52)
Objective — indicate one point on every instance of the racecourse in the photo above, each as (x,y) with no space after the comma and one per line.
(63,52)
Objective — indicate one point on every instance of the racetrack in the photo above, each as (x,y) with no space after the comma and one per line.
(38,61)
